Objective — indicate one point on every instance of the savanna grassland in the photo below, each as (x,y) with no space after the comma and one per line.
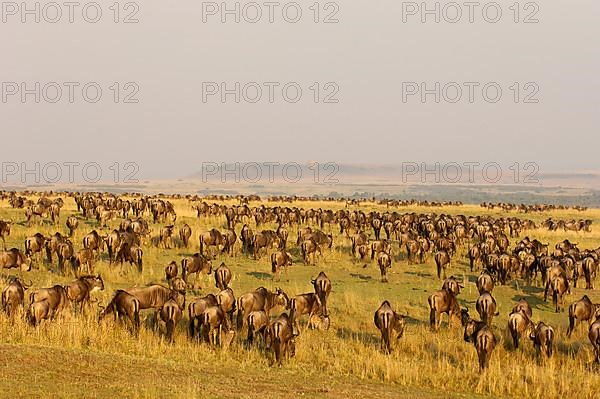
(78,356)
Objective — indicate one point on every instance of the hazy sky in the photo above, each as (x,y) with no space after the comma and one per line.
(368,55)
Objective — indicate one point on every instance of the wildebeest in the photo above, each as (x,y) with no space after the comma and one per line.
(280,338)
(113,243)
(79,291)
(443,301)
(35,244)
(519,324)
(308,248)
(594,337)
(154,296)
(302,304)
(482,337)
(94,242)
(213,237)
(214,323)
(485,282)
(543,339)
(581,310)
(523,305)
(442,261)
(322,286)
(196,263)
(171,271)
(257,324)
(222,276)
(13,295)
(486,307)
(83,257)
(259,299)
(56,297)
(279,260)
(39,311)
(132,254)
(13,258)
(165,236)
(170,314)
(72,224)
(452,284)
(226,300)
(195,310)
(4,231)
(185,232)
(385,262)
(124,304)
(390,324)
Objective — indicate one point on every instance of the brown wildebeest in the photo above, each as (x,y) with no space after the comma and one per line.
(124,304)
(170,314)
(13,295)
(185,232)
(13,258)
(443,301)
(257,324)
(390,324)
(56,296)
(283,234)
(303,304)
(230,238)
(246,237)
(80,290)
(559,286)
(165,235)
(594,336)
(34,244)
(582,310)
(279,260)
(195,310)
(486,307)
(485,282)
(280,338)
(259,299)
(64,253)
(226,300)
(523,305)
(155,296)
(474,256)
(519,324)
(385,262)
(380,246)
(171,271)
(543,339)
(113,243)
(214,323)
(210,238)
(72,224)
(4,231)
(52,244)
(222,276)
(264,240)
(94,242)
(452,284)
(310,247)
(38,311)
(322,286)
(482,337)
(442,261)
(83,258)
(132,254)
(196,263)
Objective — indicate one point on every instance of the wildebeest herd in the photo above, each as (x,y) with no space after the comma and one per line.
(270,316)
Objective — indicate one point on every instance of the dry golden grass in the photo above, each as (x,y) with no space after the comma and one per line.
(77,354)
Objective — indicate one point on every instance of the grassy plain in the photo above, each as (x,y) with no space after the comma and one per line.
(77,356)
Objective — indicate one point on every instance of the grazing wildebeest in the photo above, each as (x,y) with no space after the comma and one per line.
(390,324)
(322,286)
(132,254)
(56,297)
(124,304)
(280,338)
(279,260)
(80,290)
(246,237)
(482,337)
(443,301)
(171,271)
(165,235)
(214,323)
(474,256)
(308,248)
(543,339)
(4,231)
(38,311)
(259,299)
(385,262)
(559,286)
(380,246)
(226,300)
(257,324)
(94,242)
(485,282)
(170,314)
(13,295)
(72,224)
(113,243)
(230,238)
(185,232)
(195,310)
(34,244)
(222,276)
(582,310)
(283,234)
(83,257)
(442,261)
(52,244)
(196,263)
(264,240)
(213,237)
(486,307)
(523,305)
(303,304)
(13,258)
(519,324)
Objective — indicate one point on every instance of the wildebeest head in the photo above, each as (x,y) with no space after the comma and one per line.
(464,316)
(281,298)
